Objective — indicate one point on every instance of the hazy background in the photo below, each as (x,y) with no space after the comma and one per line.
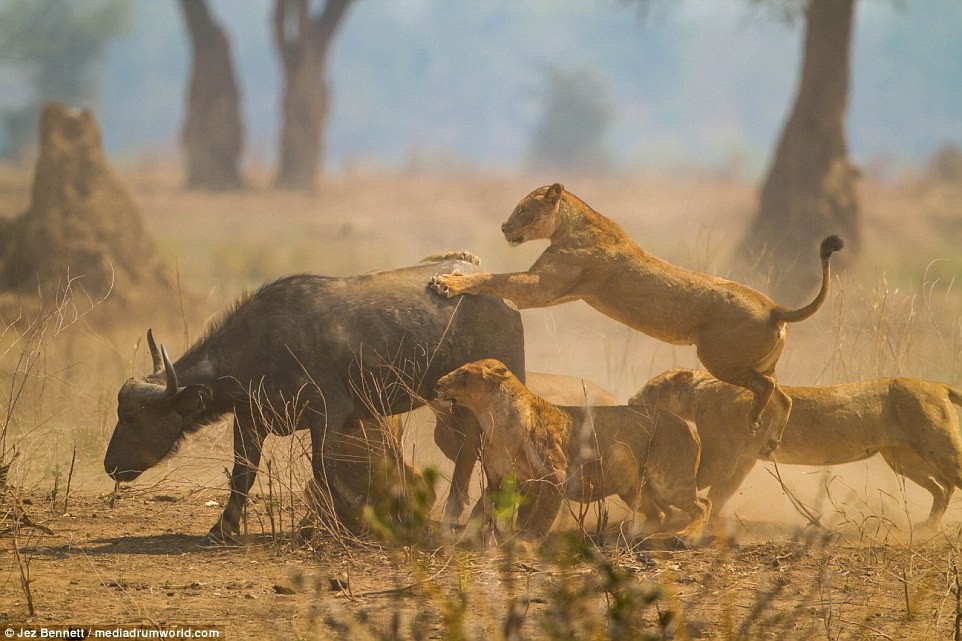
(701,84)
(435,107)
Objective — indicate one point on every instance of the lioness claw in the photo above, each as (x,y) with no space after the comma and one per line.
(438,286)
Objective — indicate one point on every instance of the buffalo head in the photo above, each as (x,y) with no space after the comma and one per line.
(152,417)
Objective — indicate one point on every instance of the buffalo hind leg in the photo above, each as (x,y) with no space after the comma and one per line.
(248,443)
(327,436)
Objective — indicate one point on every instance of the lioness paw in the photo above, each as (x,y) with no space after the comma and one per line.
(769,449)
(443,285)
(437,285)
(464,256)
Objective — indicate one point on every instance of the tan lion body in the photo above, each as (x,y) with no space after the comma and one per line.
(462,444)
(739,333)
(579,453)
(910,422)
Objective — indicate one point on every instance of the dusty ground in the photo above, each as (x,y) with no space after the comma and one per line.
(142,562)
(897,312)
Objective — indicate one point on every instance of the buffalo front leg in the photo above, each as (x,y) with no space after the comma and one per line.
(248,443)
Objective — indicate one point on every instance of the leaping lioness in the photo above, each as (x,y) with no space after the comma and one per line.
(739,332)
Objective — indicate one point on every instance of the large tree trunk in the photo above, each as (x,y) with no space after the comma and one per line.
(213,135)
(303,43)
(810,189)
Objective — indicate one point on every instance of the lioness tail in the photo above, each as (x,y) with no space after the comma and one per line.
(830,245)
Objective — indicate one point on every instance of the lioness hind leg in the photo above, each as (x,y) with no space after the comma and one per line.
(779,407)
(682,493)
(761,386)
(699,512)
(721,491)
(915,468)
(645,501)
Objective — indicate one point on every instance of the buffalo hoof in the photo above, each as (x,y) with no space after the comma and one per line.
(219,538)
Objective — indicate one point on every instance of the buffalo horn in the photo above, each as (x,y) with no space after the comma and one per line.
(172,385)
(154,352)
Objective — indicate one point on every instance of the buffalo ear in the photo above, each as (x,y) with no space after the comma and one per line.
(191,399)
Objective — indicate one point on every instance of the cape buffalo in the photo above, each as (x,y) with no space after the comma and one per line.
(318,353)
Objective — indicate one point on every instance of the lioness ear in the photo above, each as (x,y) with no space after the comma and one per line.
(553,196)
(191,399)
(501,370)
(682,377)
(495,372)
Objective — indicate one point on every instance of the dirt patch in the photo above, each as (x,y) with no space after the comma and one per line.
(141,562)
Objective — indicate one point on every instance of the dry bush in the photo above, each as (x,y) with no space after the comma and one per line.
(24,372)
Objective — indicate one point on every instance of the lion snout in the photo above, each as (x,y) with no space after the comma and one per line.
(510,235)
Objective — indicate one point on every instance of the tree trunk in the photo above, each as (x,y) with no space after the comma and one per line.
(303,43)
(810,189)
(213,135)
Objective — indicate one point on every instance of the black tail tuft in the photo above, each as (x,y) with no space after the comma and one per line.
(830,245)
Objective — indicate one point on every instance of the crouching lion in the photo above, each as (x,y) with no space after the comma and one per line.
(911,423)
(461,443)
(739,333)
(649,459)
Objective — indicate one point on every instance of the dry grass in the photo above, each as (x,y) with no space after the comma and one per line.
(896,313)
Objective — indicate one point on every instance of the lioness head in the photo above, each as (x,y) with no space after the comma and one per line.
(474,384)
(535,217)
(665,391)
